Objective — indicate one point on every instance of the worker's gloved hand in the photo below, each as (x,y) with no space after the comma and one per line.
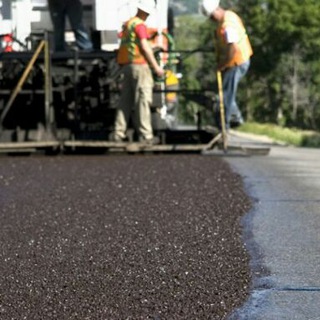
(221,67)
(159,72)
(157,49)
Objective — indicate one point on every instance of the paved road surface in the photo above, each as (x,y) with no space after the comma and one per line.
(121,237)
(282,234)
(66,224)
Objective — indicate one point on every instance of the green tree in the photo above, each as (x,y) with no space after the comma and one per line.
(188,42)
(285,35)
(283,82)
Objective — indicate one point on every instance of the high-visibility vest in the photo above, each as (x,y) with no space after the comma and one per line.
(129,51)
(243,47)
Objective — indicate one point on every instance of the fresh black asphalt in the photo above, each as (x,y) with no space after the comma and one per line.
(121,237)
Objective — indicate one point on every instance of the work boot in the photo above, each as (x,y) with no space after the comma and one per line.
(115,138)
(236,121)
(151,141)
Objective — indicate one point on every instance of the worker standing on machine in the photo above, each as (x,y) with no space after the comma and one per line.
(233,55)
(136,58)
(59,10)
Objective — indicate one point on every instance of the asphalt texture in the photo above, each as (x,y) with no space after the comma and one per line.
(121,237)
(282,234)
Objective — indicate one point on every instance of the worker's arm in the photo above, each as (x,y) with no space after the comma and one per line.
(227,57)
(148,53)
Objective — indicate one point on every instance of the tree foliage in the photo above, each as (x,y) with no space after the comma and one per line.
(283,82)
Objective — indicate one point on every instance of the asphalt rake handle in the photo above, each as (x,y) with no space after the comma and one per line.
(222,136)
(222,113)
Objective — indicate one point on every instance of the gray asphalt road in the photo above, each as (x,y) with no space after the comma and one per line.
(282,234)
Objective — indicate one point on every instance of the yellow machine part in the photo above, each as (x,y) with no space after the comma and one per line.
(172,83)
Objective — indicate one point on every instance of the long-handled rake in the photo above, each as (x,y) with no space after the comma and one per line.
(222,135)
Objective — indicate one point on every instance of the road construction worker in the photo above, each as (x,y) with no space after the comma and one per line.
(233,50)
(136,57)
(59,11)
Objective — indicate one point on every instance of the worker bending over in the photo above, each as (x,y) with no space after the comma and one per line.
(233,54)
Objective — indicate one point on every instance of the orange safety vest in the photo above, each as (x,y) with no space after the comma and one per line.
(129,51)
(243,48)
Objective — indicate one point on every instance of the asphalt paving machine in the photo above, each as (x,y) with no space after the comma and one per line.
(67,100)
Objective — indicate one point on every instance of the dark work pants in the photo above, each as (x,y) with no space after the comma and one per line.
(71,9)
(231,78)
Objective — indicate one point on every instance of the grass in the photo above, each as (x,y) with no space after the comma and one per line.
(291,136)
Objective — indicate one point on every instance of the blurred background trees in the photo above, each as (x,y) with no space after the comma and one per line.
(283,83)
